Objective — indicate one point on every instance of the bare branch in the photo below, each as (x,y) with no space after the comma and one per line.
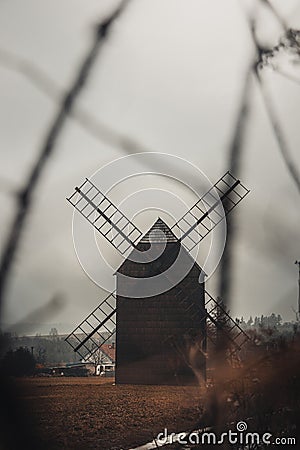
(84,118)
(25,196)
(275,122)
(7,186)
(52,307)
(274,11)
(33,73)
(278,131)
(287,75)
(234,159)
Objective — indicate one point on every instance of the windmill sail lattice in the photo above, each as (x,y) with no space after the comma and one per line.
(100,325)
(205,215)
(221,321)
(105,216)
(96,329)
(202,218)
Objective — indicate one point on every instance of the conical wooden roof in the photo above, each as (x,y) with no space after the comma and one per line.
(159,232)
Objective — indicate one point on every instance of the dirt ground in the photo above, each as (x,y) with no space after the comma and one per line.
(83,413)
(93,413)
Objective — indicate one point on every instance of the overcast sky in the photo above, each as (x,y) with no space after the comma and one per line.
(170,76)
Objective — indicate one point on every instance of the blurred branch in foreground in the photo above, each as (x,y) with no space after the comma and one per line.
(275,13)
(261,55)
(25,196)
(84,118)
(278,131)
(51,308)
(236,151)
(237,145)
(234,166)
(277,128)
(288,76)
(87,120)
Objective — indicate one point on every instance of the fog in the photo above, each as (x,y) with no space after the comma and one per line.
(169,77)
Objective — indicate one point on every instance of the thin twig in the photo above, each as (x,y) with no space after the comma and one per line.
(25,197)
(30,71)
(83,117)
(7,186)
(287,75)
(278,131)
(24,326)
(276,125)
(274,11)
(234,158)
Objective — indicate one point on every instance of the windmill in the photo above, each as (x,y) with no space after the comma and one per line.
(158,336)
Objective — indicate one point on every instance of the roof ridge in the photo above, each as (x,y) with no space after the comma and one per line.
(159,232)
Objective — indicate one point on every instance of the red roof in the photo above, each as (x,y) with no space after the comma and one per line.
(109,350)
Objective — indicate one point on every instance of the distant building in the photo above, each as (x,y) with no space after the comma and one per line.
(108,358)
(108,353)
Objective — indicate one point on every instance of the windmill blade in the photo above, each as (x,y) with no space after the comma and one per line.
(205,215)
(230,329)
(105,216)
(96,329)
(216,319)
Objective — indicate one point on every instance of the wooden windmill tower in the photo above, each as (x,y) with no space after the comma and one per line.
(157,334)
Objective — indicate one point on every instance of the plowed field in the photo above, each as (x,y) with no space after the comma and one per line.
(84,413)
